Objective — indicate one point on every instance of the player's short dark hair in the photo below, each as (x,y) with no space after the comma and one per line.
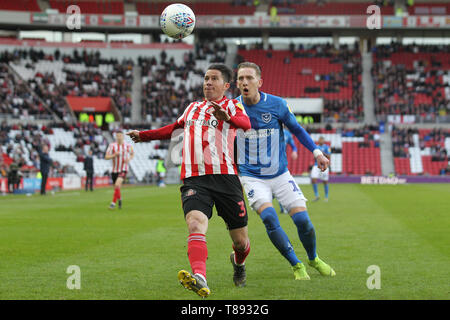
(226,72)
(252,65)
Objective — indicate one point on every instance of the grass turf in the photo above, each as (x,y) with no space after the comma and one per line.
(136,252)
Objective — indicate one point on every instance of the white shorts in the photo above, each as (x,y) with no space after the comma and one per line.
(317,174)
(283,187)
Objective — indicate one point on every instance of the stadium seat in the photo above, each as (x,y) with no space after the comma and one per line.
(20,5)
(90,7)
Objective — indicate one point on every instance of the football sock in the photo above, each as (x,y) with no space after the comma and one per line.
(306,232)
(239,256)
(116,195)
(325,186)
(277,235)
(197,253)
(316,190)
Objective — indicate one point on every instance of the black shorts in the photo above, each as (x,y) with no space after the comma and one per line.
(222,190)
(116,175)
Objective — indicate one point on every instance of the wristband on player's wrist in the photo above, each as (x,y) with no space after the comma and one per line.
(317,153)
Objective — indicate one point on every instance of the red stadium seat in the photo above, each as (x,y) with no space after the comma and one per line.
(90,7)
(331,8)
(200,8)
(20,5)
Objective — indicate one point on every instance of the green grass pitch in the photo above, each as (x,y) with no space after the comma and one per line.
(135,253)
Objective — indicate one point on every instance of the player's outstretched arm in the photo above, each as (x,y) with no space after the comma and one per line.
(134,135)
(306,140)
(162,133)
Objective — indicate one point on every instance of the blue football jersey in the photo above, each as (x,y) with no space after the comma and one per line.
(261,151)
(325,150)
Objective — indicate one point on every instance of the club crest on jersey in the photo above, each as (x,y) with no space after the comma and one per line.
(251,193)
(266,117)
(210,110)
(190,192)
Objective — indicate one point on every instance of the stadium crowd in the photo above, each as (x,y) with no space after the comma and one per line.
(403,138)
(88,83)
(339,108)
(418,89)
(16,99)
(22,148)
(161,99)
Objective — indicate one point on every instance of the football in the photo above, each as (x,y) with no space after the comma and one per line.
(177,21)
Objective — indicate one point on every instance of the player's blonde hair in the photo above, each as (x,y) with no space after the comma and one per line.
(250,65)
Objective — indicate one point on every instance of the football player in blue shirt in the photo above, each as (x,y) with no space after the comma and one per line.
(262,161)
(316,173)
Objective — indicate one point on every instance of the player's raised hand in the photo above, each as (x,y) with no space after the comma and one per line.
(219,112)
(134,135)
(322,162)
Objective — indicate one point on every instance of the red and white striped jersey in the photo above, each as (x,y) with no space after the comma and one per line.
(119,163)
(208,143)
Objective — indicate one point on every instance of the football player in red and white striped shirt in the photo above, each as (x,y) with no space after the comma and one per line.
(209,174)
(121,154)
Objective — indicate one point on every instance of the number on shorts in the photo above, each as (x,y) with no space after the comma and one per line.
(294,185)
(242,205)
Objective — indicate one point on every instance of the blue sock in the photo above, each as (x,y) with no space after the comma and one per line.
(306,232)
(325,186)
(316,190)
(277,235)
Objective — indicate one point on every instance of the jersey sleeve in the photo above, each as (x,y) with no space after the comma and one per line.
(288,118)
(238,117)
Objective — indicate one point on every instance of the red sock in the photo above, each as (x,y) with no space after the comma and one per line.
(197,253)
(116,194)
(239,256)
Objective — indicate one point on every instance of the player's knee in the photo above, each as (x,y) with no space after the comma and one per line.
(197,222)
(302,220)
(295,210)
(270,218)
(240,244)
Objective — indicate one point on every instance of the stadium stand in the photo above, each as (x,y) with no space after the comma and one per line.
(169,85)
(412,80)
(353,151)
(69,144)
(16,100)
(55,76)
(90,7)
(319,71)
(20,5)
(429,8)
(235,7)
(321,7)
(420,151)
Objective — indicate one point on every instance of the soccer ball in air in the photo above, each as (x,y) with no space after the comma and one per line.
(177,21)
